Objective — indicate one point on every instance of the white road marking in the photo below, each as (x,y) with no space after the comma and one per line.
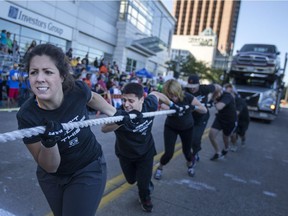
(270,193)
(235,178)
(5,213)
(254,182)
(195,185)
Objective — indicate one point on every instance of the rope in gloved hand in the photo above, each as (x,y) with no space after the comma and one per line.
(28,132)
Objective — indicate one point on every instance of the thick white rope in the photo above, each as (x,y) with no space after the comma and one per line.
(28,132)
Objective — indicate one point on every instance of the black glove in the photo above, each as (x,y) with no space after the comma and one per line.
(191,107)
(126,117)
(209,104)
(180,110)
(53,133)
(139,116)
(176,108)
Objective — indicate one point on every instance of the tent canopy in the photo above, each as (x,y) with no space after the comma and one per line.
(144,73)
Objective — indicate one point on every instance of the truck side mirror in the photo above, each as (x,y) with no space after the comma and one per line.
(278,53)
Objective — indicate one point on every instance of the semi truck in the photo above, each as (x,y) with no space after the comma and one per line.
(256,73)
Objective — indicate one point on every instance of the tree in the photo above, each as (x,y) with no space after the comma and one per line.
(192,66)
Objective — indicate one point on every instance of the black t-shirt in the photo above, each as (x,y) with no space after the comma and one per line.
(136,141)
(228,113)
(79,146)
(241,107)
(202,96)
(181,122)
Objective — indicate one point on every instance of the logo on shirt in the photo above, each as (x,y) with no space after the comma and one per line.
(142,128)
(73,142)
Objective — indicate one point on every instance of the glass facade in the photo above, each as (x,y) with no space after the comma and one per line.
(138,13)
(24,36)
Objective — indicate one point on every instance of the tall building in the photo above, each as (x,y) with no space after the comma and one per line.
(194,16)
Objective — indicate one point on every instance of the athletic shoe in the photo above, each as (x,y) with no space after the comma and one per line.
(191,171)
(146,205)
(224,152)
(233,148)
(197,157)
(158,174)
(215,157)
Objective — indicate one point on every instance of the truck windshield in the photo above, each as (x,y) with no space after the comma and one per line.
(258,48)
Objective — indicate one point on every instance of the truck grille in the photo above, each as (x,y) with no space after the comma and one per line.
(252,60)
(251,98)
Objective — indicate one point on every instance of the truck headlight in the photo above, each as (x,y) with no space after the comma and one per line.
(272,106)
(267,101)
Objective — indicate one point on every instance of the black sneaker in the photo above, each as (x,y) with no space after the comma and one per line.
(215,157)
(146,205)
(197,157)
(224,152)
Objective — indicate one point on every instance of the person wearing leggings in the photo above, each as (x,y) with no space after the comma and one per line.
(180,124)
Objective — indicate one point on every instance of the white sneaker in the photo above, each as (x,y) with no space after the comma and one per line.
(233,148)
(191,171)
(158,174)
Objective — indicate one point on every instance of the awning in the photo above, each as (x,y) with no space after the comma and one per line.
(149,45)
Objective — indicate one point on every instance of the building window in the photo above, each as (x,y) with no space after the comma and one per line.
(138,13)
(131,65)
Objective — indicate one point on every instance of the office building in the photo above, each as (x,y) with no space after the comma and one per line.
(136,34)
(194,16)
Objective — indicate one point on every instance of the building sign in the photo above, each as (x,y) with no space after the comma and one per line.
(35,21)
(201,41)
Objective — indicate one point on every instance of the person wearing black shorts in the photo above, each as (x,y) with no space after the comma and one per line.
(135,146)
(242,114)
(225,121)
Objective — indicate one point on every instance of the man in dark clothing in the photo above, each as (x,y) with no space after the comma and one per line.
(201,92)
(242,114)
(135,146)
(225,121)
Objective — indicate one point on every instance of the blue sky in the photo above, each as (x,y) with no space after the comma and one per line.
(261,22)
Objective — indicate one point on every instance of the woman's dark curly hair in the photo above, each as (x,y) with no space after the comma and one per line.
(58,57)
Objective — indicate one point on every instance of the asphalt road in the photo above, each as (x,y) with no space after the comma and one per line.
(251,181)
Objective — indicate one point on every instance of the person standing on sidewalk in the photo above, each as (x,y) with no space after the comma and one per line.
(201,92)
(13,86)
(135,146)
(179,124)
(225,121)
(71,167)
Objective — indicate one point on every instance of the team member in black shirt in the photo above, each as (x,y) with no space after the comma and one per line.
(225,121)
(179,124)
(134,141)
(201,92)
(242,114)
(71,168)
